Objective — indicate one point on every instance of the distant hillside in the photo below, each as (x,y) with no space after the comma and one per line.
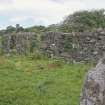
(18,28)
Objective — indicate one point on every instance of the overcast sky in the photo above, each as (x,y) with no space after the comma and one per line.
(42,12)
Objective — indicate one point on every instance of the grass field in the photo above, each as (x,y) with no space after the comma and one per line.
(24,81)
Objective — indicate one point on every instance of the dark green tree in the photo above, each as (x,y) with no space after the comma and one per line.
(84,20)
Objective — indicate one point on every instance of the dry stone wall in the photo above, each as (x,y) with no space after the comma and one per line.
(75,47)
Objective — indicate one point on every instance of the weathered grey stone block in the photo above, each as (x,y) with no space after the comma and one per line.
(93,92)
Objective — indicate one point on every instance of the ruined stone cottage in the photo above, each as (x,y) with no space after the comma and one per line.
(73,47)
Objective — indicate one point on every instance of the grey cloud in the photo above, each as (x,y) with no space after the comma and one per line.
(6,1)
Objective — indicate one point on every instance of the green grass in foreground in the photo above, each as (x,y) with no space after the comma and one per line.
(24,81)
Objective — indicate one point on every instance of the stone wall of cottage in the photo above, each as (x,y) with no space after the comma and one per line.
(18,43)
(75,47)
